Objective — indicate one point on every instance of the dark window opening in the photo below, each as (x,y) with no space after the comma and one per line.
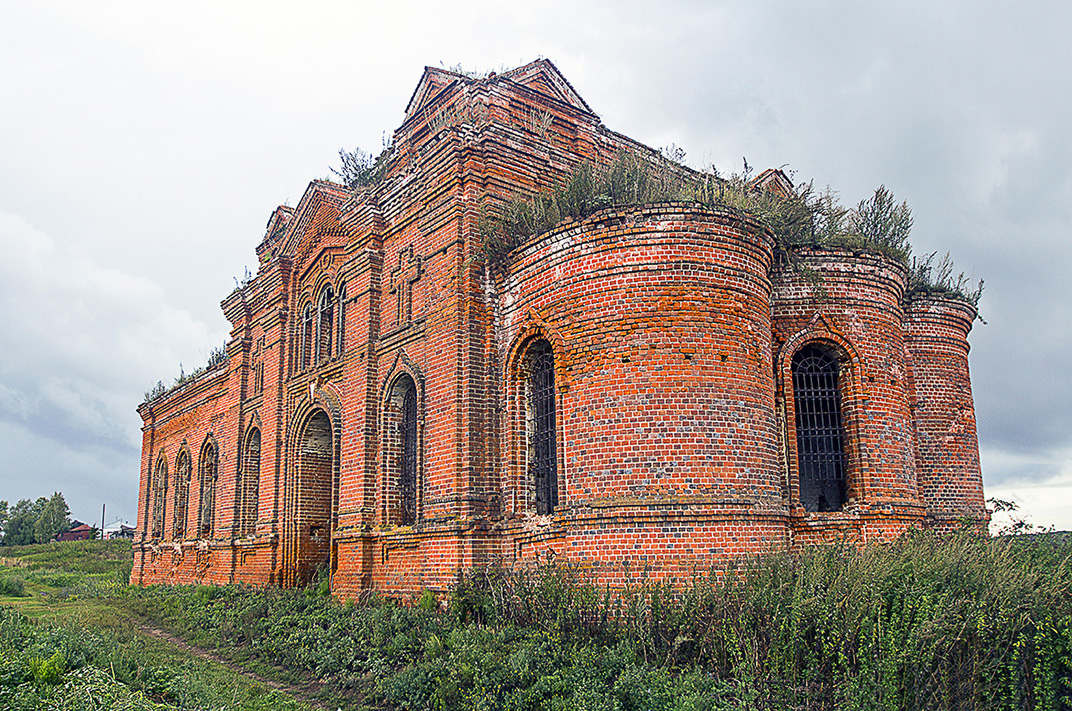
(820,434)
(542,412)
(408,478)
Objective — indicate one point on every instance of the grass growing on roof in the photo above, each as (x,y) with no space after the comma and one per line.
(802,218)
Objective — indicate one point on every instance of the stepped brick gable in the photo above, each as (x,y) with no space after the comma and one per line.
(644,389)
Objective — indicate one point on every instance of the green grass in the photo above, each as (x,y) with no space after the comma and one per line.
(957,622)
(66,644)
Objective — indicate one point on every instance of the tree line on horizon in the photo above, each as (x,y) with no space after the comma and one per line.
(37,521)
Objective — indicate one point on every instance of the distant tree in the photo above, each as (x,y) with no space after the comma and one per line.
(54,518)
(34,521)
(22,521)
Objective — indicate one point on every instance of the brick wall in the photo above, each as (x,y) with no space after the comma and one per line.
(672,330)
(936,341)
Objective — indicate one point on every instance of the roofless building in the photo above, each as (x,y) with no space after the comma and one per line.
(645,388)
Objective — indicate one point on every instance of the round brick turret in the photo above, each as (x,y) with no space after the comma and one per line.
(659,318)
(850,303)
(950,479)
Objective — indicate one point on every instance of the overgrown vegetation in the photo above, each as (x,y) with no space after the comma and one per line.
(803,217)
(217,358)
(66,645)
(959,622)
(358,169)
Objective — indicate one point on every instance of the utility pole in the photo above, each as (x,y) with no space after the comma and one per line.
(103,508)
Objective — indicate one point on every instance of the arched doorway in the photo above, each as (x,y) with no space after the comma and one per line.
(315,496)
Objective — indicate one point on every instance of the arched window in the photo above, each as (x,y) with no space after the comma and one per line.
(249,483)
(543,449)
(306,350)
(209,464)
(342,318)
(403,452)
(408,479)
(182,494)
(820,433)
(159,489)
(325,324)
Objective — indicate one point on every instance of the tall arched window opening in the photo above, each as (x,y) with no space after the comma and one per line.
(408,479)
(402,452)
(306,350)
(820,433)
(342,319)
(249,482)
(325,324)
(209,466)
(159,489)
(317,503)
(182,494)
(542,431)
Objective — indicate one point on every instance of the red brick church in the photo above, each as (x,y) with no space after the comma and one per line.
(646,388)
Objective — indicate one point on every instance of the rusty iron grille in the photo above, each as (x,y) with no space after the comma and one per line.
(408,504)
(820,434)
(545,459)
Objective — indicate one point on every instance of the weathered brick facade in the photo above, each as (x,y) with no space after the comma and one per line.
(618,391)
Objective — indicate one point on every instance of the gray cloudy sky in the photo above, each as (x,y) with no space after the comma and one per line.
(143,146)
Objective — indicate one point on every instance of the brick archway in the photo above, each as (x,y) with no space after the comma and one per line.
(315,496)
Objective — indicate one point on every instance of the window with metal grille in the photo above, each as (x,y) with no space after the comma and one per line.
(820,434)
(408,475)
(542,412)
(209,465)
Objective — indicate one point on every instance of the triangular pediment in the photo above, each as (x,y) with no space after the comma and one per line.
(540,76)
(433,81)
(318,213)
(543,77)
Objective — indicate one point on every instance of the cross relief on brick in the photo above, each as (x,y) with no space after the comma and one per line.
(403,277)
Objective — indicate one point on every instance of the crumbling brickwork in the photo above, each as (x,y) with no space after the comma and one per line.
(617,391)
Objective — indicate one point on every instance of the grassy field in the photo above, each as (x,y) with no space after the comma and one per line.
(927,623)
(68,642)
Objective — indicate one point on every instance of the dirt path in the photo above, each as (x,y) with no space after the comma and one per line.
(303,693)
